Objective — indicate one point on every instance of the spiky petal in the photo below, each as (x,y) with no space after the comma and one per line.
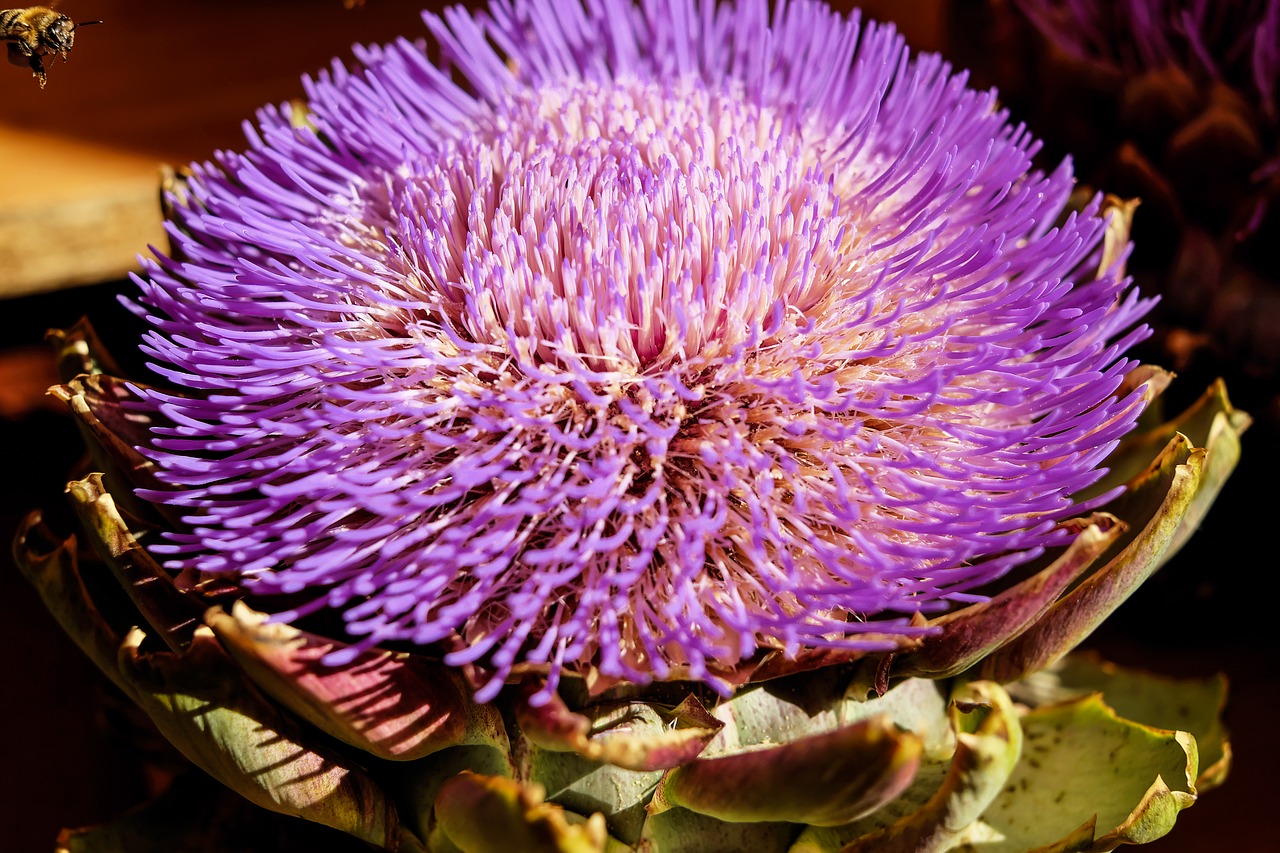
(634,338)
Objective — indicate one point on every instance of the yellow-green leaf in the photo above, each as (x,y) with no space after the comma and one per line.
(490,814)
(1082,763)
(1193,705)
(825,779)
(205,707)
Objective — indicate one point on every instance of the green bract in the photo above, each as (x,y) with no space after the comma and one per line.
(980,736)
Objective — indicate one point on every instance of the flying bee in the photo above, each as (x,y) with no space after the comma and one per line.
(35,32)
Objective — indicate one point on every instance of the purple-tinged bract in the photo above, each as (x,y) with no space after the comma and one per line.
(634,338)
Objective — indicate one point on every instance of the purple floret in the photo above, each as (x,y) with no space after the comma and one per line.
(635,339)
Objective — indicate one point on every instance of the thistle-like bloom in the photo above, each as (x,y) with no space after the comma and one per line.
(1235,42)
(1178,104)
(634,339)
(681,342)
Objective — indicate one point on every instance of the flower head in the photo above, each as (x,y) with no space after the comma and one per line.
(633,338)
(1235,42)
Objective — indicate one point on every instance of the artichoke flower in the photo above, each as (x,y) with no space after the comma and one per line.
(1177,104)
(669,428)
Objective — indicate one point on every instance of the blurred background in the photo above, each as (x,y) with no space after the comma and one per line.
(169,83)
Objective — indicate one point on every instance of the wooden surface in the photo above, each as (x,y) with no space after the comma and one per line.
(157,82)
(71,212)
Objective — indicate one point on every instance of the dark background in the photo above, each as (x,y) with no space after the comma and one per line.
(174,81)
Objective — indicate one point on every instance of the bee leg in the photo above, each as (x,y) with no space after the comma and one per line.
(37,69)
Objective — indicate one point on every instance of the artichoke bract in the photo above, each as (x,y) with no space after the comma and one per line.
(686,427)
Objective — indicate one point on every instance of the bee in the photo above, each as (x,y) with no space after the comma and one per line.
(35,32)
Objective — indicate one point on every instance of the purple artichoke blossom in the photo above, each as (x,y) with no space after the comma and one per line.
(634,342)
(1177,104)
(684,343)
(1237,43)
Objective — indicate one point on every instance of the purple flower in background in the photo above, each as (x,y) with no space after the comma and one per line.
(1177,104)
(635,340)
(1235,42)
